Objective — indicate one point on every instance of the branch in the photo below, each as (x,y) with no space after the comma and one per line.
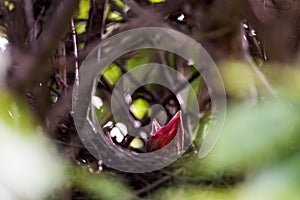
(157,183)
(33,63)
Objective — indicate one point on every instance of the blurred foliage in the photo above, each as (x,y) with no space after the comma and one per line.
(24,150)
(157,1)
(15,114)
(236,86)
(112,74)
(190,192)
(9,5)
(114,16)
(82,14)
(285,79)
(259,144)
(80,27)
(30,167)
(281,181)
(257,156)
(270,127)
(140,108)
(98,185)
(83,11)
(142,58)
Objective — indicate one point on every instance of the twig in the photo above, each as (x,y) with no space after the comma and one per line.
(90,21)
(75,47)
(118,9)
(68,144)
(157,183)
(262,77)
(61,108)
(124,71)
(103,19)
(43,48)
(194,76)
(64,105)
(29,18)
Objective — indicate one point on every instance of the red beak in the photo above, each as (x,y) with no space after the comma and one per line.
(163,135)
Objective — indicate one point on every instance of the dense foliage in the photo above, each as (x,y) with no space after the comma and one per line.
(255,45)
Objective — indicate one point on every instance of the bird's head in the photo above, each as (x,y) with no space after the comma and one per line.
(161,136)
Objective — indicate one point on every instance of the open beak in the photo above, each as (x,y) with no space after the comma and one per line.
(161,136)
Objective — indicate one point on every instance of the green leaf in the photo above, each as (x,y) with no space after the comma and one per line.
(140,108)
(83,11)
(137,143)
(287,85)
(83,14)
(9,5)
(156,1)
(112,74)
(257,136)
(15,114)
(114,16)
(142,58)
(238,78)
(24,154)
(120,3)
(202,130)
(80,27)
(188,192)
(281,181)
(100,185)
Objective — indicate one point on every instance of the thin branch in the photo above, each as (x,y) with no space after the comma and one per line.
(75,47)
(90,21)
(43,47)
(157,183)
(124,71)
(29,19)
(104,18)
(62,107)
(193,77)
(262,78)
(115,7)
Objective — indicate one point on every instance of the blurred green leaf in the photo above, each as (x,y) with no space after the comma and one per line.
(100,185)
(120,3)
(286,80)
(191,100)
(195,169)
(15,114)
(156,1)
(257,136)
(140,108)
(81,45)
(25,154)
(103,114)
(80,27)
(238,78)
(114,16)
(281,181)
(83,11)
(171,60)
(202,130)
(83,14)
(189,192)
(112,74)
(10,5)
(142,58)
(137,143)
